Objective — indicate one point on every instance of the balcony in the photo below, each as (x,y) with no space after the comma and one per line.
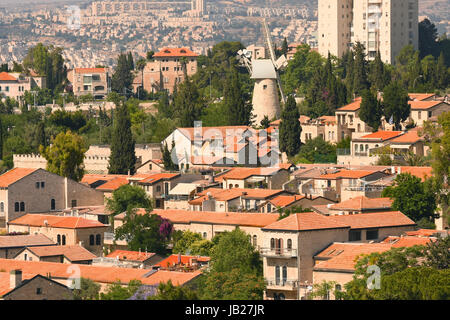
(282,284)
(278,252)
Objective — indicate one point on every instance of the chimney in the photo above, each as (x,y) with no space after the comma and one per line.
(15,278)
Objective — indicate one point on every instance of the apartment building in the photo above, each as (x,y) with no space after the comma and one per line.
(166,70)
(380,25)
(290,244)
(94,81)
(24,190)
(14,85)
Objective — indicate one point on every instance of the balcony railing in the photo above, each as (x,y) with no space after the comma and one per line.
(278,252)
(287,284)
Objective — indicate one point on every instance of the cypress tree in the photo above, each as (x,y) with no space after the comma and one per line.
(40,137)
(187,104)
(130,61)
(239,111)
(284,47)
(379,77)
(290,128)
(360,82)
(1,139)
(123,157)
(442,75)
(122,77)
(395,104)
(370,111)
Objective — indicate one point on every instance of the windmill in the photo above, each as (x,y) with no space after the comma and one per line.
(265,72)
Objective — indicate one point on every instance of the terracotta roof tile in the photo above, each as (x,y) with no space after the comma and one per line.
(130,255)
(374,220)
(175,52)
(381,135)
(283,201)
(113,184)
(420,172)
(408,137)
(156,177)
(24,241)
(363,203)
(353,106)
(14,175)
(67,222)
(305,221)
(229,194)
(5,76)
(71,252)
(97,273)
(408,241)
(91,70)
(420,96)
(423,105)
(347,174)
(186,260)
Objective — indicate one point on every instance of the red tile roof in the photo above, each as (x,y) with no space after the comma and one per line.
(363,203)
(244,173)
(420,96)
(90,178)
(305,221)
(420,172)
(175,52)
(185,260)
(283,201)
(14,175)
(67,222)
(130,255)
(72,252)
(423,105)
(97,273)
(400,242)
(221,218)
(5,76)
(353,106)
(155,177)
(113,184)
(382,135)
(24,241)
(229,194)
(408,137)
(423,232)
(374,220)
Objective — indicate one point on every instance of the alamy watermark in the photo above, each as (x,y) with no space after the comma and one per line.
(74,281)
(74,18)
(374,280)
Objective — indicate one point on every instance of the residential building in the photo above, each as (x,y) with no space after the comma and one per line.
(167,69)
(37,287)
(424,110)
(179,261)
(356,205)
(63,254)
(284,202)
(290,244)
(129,259)
(10,245)
(24,190)
(63,230)
(385,26)
(93,81)
(267,177)
(14,85)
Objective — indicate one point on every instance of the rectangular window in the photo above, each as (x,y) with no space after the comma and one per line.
(38,290)
(74,203)
(372,234)
(355,235)
(42,184)
(37,185)
(16,207)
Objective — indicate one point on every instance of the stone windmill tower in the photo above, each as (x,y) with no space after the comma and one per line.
(266,101)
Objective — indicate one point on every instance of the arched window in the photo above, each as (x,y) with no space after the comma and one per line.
(91,240)
(58,239)
(367,147)
(158,188)
(204,235)
(281,296)
(63,240)
(2,207)
(289,244)
(361,148)
(272,243)
(52,204)
(254,240)
(230,186)
(16,207)
(236,186)
(275,296)
(22,206)
(98,239)
(284,275)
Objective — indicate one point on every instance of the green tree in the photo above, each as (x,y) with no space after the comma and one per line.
(1,139)
(290,128)
(379,76)
(238,109)
(414,198)
(167,291)
(122,77)
(284,47)
(187,104)
(65,155)
(116,291)
(428,37)
(128,197)
(316,151)
(442,73)
(89,290)
(322,290)
(370,110)
(143,232)
(360,81)
(183,244)
(123,157)
(169,165)
(395,104)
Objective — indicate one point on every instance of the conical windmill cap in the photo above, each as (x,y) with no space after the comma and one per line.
(263,69)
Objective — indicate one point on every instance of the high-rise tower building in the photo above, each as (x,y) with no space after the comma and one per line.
(380,25)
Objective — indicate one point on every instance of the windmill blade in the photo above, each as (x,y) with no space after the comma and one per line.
(283,97)
(269,41)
